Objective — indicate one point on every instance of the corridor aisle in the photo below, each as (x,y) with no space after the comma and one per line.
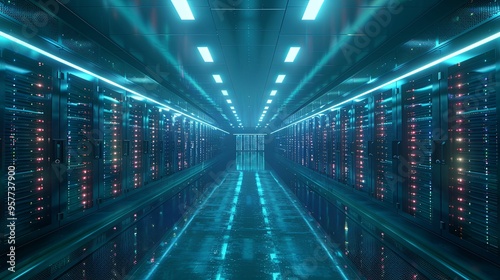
(248,228)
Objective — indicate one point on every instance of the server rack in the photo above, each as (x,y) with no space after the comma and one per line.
(362,136)
(334,145)
(385,177)
(473,162)
(112,156)
(25,96)
(420,194)
(324,138)
(137,143)
(167,143)
(79,128)
(178,138)
(317,152)
(152,144)
(346,147)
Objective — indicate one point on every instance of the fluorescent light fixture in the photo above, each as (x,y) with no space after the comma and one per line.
(312,9)
(137,97)
(217,79)
(292,53)
(408,74)
(269,101)
(273,92)
(264,111)
(229,101)
(234,112)
(267,107)
(205,54)
(224,92)
(232,107)
(280,79)
(183,9)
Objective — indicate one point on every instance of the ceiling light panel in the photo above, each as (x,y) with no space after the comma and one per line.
(312,9)
(217,79)
(183,9)
(224,92)
(273,92)
(292,54)
(280,79)
(269,101)
(229,101)
(205,54)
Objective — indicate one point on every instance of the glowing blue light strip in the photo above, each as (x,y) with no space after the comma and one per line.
(272,255)
(318,239)
(230,223)
(176,239)
(74,66)
(415,71)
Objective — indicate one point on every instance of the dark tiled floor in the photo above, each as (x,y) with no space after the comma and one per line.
(249,228)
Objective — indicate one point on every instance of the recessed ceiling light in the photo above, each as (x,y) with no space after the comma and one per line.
(205,54)
(273,92)
(224,92)
(234,112)
(183,9)
(264,111)
(232,107)
(269,101)
(229,101)
(217,79)
(267,107)
(312,9)
(280,79)
(292,53)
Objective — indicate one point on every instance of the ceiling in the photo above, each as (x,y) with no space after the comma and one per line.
(249,41)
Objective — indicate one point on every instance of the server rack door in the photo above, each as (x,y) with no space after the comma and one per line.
(186,147)
(385,178)
(473,162)
(112,156)
(189,134)
(317,144)
(334,145)
(303,143)
(79,122)
(307,143)
(203,143)
(289,143)
(296,143)
(361,137)
(152,144)
(420,193)
(325,126)
(178,138)
(260,142)
(346,174)
(136,136)
(25,115)
(197,143)
(167,144)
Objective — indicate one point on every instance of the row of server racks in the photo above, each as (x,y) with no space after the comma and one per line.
(426,146)
(76,144)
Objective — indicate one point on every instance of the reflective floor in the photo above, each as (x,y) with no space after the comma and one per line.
(249,228)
